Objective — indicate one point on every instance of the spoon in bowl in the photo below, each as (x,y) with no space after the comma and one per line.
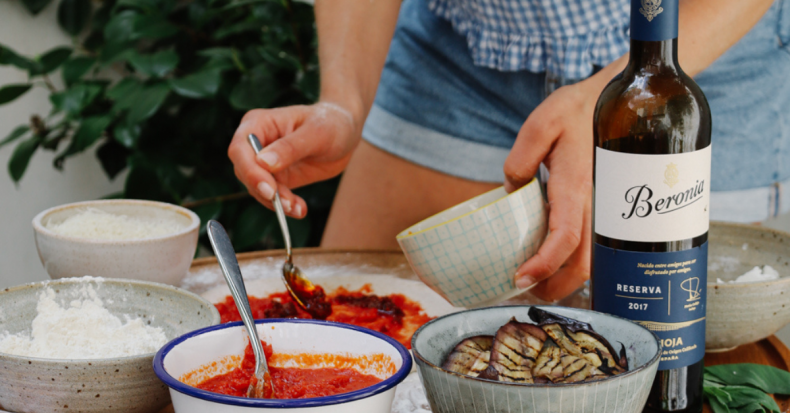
(309,296)
(261,386)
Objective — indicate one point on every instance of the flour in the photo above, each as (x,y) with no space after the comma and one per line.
(92,223)
(81,329)
(767,273)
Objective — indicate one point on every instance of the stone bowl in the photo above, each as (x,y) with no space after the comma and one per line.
(454,393)
(164,259)
(126,384)
(743,313)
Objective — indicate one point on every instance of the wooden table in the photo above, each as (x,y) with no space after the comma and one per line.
(770,351)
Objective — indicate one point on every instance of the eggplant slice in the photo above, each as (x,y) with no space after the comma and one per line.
(470,356)
(515,350)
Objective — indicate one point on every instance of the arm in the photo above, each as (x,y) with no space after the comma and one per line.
(559,134)
(305,144)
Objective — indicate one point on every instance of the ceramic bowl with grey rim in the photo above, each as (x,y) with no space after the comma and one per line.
(454,393)
(164,258)
(742,313)
(125,384)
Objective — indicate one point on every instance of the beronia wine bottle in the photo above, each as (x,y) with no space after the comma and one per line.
(651,202)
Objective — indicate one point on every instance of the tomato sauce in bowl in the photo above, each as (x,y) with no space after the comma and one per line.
(289,382)
(394,315)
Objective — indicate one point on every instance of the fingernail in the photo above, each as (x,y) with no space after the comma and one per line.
(298,210)
(269,158)
(286,205)
(266,190)
(524,281)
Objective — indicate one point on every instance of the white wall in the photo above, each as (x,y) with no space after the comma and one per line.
(42,186)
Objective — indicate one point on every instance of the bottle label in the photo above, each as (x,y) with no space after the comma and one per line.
(654,20)
(652,198)
(663,291)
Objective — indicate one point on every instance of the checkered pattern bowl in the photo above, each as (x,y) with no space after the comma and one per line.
(469,253)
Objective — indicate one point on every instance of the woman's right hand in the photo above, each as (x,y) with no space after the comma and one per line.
(301,145)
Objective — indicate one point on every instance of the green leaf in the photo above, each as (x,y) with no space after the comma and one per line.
(76,98)
(10,57)
(73,15)
(153,27)
(10,92)
(245,26)
(120,28)
(242,3)
(123,89)
(717,406)
(255,223)
(202,84)
(719,394)
(112,157)
(744,399)
(142,183)
(89,131)
(157,64)
(146,6)
(21,157)
(127,135)
(207,212)
(15,134)
(257,89)
(766,378)
(51,60)
(75,68)
(35,6)
(147,102)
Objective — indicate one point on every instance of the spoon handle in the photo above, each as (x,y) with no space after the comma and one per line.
(278,206)
(230,268)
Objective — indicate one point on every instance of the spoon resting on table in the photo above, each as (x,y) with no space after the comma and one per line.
(309,296)
(261,386)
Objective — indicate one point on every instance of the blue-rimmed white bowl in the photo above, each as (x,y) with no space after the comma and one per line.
(203,347)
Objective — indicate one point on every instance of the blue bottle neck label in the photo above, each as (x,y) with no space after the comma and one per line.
(654,20)
(663,291)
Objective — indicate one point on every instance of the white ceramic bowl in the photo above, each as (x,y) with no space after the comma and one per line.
(469,253)
(202,347)
(164,259)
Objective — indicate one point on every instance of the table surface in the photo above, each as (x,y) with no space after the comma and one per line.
(318,263)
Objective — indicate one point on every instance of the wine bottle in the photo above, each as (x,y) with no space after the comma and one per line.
(651,201)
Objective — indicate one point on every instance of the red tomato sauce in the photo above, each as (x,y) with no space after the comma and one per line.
(289,383)
(393,315)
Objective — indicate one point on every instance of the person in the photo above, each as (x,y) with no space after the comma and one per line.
(479,93)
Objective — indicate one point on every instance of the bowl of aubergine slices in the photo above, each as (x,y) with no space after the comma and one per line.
(535,359)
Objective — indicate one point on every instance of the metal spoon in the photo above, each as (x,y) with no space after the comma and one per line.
(262,387)
(308,296)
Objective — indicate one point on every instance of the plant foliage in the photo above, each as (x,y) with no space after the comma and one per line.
(159,86)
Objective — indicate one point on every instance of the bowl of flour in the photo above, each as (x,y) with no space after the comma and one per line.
(87,344)
(748,284)
(121,238)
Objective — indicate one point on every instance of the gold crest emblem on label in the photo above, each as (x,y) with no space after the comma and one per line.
(651,9)
(671,175)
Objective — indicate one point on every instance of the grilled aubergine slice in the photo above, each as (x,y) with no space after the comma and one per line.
(514,352)
(470,356)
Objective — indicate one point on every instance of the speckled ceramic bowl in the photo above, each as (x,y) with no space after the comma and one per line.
(743,313)
(164,259)
(454,393)
(125,384)
(469,253)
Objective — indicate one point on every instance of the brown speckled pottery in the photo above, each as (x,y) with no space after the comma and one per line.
(164,259)
(743,313)
(125,384)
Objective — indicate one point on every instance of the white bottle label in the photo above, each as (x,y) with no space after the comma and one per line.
(652,198)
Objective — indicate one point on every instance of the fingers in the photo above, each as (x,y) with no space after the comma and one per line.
(533,143)
(307,140)
(570,277)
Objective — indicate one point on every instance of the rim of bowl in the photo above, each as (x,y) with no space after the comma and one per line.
(366,392)
(102,361)
(630,372)
(38,226)
(780,280)
(404,234)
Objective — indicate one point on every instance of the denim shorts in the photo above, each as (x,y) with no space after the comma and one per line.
(435,108)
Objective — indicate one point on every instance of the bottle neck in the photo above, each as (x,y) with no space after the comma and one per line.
(654,34)
(654,55)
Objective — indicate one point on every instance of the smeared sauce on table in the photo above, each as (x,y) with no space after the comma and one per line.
(289,383)
(394,315)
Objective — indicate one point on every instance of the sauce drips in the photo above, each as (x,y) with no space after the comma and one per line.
(289,383)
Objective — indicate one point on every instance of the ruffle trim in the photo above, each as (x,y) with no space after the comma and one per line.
(568,58)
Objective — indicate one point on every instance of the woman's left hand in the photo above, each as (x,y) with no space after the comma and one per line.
(558,133)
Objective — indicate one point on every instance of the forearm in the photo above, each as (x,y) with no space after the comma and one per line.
(353,40)
(707,28)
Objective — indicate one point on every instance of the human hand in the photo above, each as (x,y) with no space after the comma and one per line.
(301,145)
(559,134)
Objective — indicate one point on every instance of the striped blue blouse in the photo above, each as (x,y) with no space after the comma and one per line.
(565,38)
